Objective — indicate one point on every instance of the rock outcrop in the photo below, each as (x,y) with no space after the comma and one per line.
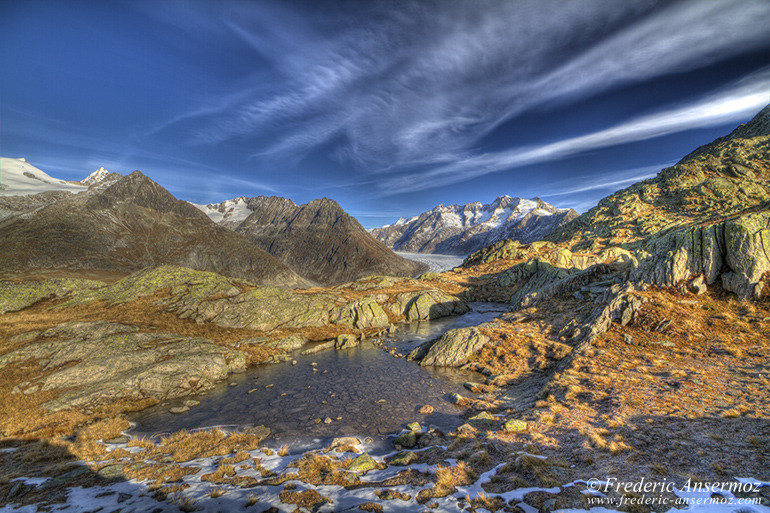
(736,252)
(452,349)
(96,361)
(723,179)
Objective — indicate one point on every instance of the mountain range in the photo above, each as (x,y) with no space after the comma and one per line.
(463,229)
(121,224)
(318,238)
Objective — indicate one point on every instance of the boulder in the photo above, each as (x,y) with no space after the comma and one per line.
(361,313)
(362,464)
(346,341)
(453,349)
(430,304)
(734,251)
(401,459)
(406,439)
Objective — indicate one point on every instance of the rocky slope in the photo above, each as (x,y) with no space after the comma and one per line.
(706,218)
(318,240)
(717,181)
(463,229)
(129,224)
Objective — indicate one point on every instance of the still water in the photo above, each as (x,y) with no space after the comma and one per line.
(364,391)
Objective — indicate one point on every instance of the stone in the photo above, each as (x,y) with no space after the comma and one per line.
(179,409)
(362,464)
(483,417)
(346,341)
(454,348)
(191,402)
(111,472)
(426,409)
(514,426)
(323,346)
(260,431)
(428,305)
(401,459)
(343,441)
(456,398)
(406,439)
(328,420)
(698,285)
(414,426)
(361,314)
(122,439)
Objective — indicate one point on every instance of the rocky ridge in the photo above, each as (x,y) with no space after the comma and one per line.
(130,224)
(318,239)
(463,229)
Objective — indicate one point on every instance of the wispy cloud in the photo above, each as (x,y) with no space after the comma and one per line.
(736,102)
(602,183)
(420,85)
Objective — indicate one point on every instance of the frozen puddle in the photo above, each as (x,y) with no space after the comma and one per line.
(362,391)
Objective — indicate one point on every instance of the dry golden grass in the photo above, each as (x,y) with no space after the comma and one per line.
(447,478)
(308,499)
(317,469)
(223,471)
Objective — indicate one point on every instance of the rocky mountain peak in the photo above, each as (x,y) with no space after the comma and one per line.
(140,190)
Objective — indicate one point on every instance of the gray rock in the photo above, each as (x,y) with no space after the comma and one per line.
(453,348)
(401,459)
(97,360)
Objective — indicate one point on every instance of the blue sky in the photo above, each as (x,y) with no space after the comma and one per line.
(390,108)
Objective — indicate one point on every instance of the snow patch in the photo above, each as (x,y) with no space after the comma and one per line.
(20,178)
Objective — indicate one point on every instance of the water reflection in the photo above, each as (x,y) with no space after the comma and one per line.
(362,391)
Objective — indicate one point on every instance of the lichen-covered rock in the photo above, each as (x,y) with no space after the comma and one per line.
(287,344)
(401,459)
(104,360)
(361,313)
(185,285)
(267,308)
(429,304)
(406,439)
(18,296)
(737,251)
(363,464)
(346,341)
(452,349)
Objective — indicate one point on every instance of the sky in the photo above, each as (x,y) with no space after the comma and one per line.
(388,107)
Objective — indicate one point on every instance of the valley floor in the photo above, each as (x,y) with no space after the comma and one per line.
(679,395)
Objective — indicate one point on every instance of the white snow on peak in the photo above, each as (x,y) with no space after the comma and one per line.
(95,177)
(233,211)
(20,178)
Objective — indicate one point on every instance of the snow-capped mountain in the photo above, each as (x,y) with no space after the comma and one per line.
(101,178)
(463,229)
(20,178)
(230,213)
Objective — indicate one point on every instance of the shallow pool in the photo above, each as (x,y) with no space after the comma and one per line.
(363,391)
